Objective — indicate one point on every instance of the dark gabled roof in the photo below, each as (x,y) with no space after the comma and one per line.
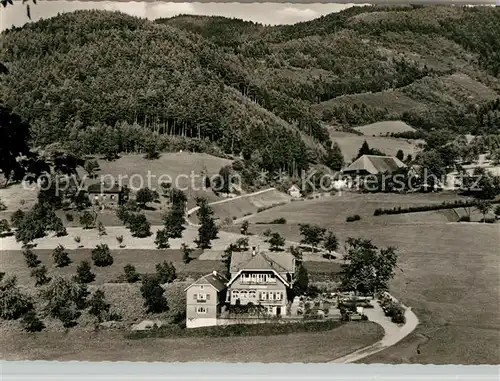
(216,280)
(280,262)
(375,164)
(104,188)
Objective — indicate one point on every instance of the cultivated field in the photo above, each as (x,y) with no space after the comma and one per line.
(384,128)
(111,346)
(448,273)
(351,143)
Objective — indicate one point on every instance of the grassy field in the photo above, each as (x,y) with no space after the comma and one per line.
(384,128)
(248,205)
(351,143)
(144,261)
(111,346)
(182,168)
(335,209)
(448,274)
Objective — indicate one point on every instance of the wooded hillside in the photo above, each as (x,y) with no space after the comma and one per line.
(105,82)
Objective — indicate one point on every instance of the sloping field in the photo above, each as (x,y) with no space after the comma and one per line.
(244,206)
(183,169)
(335,209)
(144,261)
(351,143)
(448,274)
(384,128)
(314,347)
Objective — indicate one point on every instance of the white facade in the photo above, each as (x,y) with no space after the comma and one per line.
(294,191)
(200,322)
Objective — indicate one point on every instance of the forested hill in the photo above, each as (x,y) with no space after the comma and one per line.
(104,82)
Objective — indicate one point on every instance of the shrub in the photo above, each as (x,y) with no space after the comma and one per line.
(464,219)
(175,330)
(84,273)
(489,220)
(98,305)
(68,316)
(102,256)
(31,322)
(131,275)
(31,258)
(277,221)
(161,240)
(40,275)
(152,292)
(356,217)
(139,225)
(431,207)
(60,256)
(16,218)
(13,303)
(64,299)
(186,253)
(4,227)
(101,228)
(165,272)
(87,220)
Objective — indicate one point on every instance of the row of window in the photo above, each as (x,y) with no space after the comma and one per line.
(251,294)
(104,197)
(258,278)
(201,310)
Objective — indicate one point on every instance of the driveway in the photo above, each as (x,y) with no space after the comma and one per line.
(393,333)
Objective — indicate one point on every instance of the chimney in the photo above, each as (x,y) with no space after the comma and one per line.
(253,251)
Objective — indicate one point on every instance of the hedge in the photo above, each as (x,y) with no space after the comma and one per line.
(263,329)
(427,208)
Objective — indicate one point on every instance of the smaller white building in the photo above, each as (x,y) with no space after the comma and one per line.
(294,191)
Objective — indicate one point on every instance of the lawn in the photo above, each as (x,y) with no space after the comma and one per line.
(449,275)
(315,347)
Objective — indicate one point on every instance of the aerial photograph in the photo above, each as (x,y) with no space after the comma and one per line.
(250,183)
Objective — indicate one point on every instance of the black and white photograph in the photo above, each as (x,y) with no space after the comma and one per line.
(250,182)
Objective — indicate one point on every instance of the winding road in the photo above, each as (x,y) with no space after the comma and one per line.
(393,333)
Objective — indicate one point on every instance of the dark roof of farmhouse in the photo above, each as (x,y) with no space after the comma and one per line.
(375,164)
(100,188)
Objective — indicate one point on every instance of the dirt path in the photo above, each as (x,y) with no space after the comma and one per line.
(393,333)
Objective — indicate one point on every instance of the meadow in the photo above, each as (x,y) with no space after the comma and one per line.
(448,273)
(351,143)
(384,128)
(336,208)
(317,347)
(178,167)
